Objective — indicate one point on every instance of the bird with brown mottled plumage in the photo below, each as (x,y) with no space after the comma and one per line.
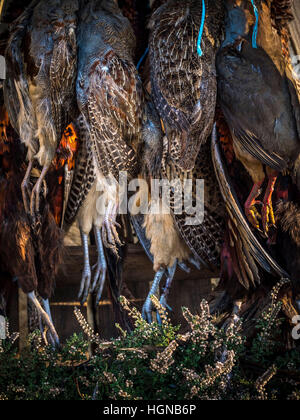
(177,235)
(40,87)
(110,99)
(184,86)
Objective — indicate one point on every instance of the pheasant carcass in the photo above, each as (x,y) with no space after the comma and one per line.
(173,237)
(184,39)
(30,256)
(258,98)
(40,88)
(110,99)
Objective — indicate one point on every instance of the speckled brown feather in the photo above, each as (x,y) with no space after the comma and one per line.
(109,90)
(206,238)
(84,174)
(183,83)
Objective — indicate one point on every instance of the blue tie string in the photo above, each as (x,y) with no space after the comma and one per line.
(142,58)
(255,30)
(199,49)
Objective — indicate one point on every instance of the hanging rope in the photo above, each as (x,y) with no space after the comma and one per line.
(142,58)
(255,30)
(199,49)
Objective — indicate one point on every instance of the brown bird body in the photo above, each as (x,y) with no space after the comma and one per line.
(41,59)
(30,257)
(174,237)
(184,83)
(110,99)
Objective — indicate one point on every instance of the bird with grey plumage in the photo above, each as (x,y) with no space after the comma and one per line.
(40,86)
(184,39)
(258,97)
(111,102)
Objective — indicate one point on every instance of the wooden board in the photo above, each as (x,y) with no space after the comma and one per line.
(188,290)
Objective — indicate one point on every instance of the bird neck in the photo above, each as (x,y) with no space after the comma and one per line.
(237,26)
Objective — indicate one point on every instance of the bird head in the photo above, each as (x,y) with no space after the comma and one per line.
(240,20)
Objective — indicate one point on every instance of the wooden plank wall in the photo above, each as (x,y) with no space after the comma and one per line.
(188,290)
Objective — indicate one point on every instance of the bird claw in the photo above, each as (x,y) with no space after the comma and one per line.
(26,194)
(253,216)
(147,311)
(45,316)
(99,280)
(164,304)
(268,218)
(110,235)
(85,285)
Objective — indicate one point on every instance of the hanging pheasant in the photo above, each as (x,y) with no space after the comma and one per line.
(184,39)
(40,88)
(110,99)
(30,256)
(174,238)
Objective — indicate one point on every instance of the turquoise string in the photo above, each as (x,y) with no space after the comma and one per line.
(199,49)
(142,58)
(255,30)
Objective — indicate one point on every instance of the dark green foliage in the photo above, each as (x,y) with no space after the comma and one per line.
(155,362)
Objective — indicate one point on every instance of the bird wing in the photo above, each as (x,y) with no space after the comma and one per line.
(250,248)
(84,175)
(115,109)
(204,237)
(256,104)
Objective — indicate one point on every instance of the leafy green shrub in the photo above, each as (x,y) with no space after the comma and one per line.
(154,363)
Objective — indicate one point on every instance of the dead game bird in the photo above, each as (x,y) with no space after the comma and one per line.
(175,238)
(258,98)
(40,87)
(110,99)
(184,39)
(30,257)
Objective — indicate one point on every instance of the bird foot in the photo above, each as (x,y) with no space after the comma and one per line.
(147,311)
(45,316)
(164,304)
(35,199)
(26,188)
(110,234)
(85,284)
(268,218)
(35,195)
(99,278)
(148,306)
(253,214)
